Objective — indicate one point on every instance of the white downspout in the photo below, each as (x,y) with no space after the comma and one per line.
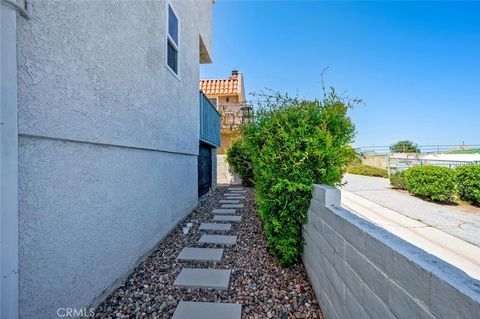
(8,162)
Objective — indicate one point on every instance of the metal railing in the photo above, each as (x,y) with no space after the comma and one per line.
(209,122)
(424,149)
(234,114)
(395,164)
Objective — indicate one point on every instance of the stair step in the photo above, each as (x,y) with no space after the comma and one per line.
(207,310)
(215,226)
(194,278)
(235,188)
(201,254)
(218,239)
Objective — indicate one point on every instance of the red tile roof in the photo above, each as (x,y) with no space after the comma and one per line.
(220,87)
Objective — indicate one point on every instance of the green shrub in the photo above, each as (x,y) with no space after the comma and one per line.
(435,182)
(367,170)
(240,161)
(397,180)
(468,183)
(293,144)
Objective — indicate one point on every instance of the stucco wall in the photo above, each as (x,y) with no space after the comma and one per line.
(8,163)
(225,174)
(108,142)
(361,271)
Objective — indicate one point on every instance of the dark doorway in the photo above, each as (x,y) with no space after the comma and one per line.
(204,169)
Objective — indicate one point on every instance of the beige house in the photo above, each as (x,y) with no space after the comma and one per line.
(228,96)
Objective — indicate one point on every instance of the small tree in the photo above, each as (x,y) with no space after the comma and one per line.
(294,143)
(405,146)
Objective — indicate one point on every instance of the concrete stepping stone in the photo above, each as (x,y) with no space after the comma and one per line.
(215,226)
(224,211)
(235,188)
(203,278)
(229,201)
(234,197)
(207,310)
(227,218)
(201,254)
(232,206)
(218,239)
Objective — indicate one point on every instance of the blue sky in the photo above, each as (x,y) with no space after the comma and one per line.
(416,65)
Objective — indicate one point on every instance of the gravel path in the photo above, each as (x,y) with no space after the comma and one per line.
(264,289)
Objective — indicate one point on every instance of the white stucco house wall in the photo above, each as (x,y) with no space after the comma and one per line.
(99,142)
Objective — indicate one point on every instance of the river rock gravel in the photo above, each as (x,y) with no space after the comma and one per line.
(258,283)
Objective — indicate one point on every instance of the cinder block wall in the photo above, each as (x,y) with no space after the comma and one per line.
(361,271)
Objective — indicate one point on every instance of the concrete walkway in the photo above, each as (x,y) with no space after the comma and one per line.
(429,226)
(463,225)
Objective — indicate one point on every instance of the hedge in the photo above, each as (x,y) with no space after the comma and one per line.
(367,170)
(293,144)
(435,182)
(468,183)
(397,180)
(239,159)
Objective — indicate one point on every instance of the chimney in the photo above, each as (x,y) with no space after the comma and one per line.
(234,74)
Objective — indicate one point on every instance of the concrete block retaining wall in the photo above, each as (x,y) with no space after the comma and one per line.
(361,271)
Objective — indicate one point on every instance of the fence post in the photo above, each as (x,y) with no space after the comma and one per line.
(388,165)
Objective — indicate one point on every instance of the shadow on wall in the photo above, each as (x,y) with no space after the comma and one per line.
(225,174)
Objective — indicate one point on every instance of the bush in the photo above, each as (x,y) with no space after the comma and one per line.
(435,182)
(397,180)
(239,159)
(468,183)
(367,170)
(293,144)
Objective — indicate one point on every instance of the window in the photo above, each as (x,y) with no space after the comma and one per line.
(172,57)
(214,102)
(172,40)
